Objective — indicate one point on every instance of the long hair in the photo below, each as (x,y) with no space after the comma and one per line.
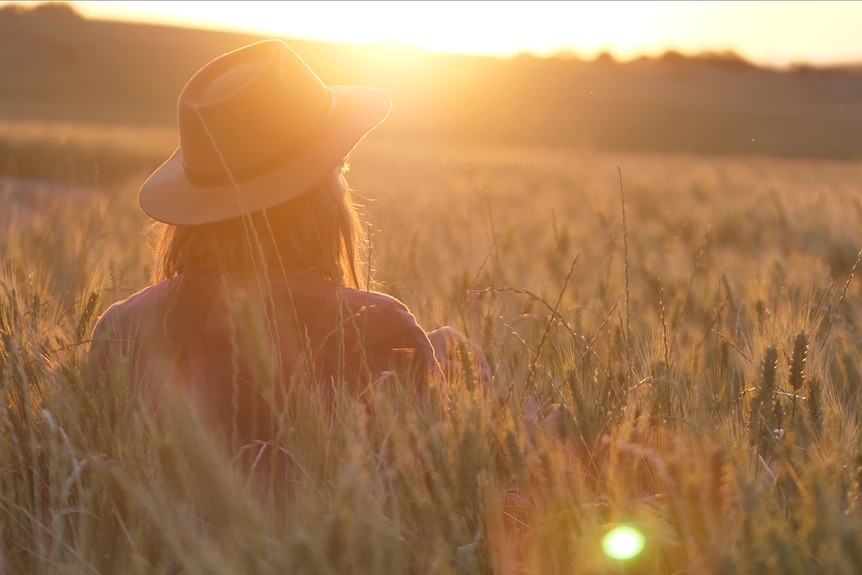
(316,233)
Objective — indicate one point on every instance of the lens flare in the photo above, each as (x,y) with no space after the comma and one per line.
(623,542)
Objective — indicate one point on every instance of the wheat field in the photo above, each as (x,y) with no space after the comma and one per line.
(674,344)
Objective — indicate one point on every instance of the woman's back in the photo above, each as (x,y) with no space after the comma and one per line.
(237,346)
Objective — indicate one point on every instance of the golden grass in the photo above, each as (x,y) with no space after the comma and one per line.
(681,405)
(81,153)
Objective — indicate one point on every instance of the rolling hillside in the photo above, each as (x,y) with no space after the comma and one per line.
(58,67)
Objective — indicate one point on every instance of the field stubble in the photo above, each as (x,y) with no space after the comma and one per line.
(694,372)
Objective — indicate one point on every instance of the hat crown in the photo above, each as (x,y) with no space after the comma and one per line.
(257,128)
(249,111)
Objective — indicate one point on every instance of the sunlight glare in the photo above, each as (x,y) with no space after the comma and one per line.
(501,28)
(778,33)
(623,543)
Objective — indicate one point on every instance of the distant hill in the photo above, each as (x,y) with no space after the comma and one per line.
(57,66)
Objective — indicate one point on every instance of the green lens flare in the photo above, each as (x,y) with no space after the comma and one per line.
(623,543)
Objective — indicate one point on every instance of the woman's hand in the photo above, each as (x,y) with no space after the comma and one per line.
(448,344)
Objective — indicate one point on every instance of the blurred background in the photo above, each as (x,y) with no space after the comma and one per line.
(98,81)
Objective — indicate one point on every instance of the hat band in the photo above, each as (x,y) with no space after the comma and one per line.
(289,153)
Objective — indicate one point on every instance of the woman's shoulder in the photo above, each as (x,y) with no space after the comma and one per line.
(138,308)
(318,291)
(383,316)
(375,302)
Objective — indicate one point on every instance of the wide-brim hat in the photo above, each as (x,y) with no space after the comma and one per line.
(257,128)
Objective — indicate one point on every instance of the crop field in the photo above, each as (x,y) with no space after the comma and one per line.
(674,343)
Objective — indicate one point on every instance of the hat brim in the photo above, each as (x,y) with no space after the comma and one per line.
(170,197)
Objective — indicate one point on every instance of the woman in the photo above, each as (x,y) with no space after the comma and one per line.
(258,275)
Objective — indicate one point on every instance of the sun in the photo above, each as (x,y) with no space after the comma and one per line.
(498,28)
(808,31)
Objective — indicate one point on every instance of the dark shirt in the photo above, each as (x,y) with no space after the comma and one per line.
(241,347)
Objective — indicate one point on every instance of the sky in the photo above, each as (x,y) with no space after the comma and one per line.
(768,33)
